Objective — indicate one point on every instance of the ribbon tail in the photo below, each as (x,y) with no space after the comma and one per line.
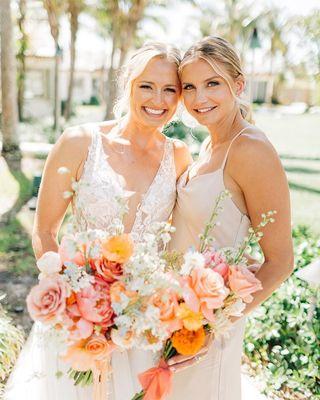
(101,372)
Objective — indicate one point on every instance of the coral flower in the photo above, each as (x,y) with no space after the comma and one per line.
(192,321)
(188,343)
(118,248)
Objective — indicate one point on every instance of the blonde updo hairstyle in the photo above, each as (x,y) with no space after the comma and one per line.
(219,52)
(136,65)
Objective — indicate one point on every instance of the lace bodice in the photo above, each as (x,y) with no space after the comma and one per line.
(96,204)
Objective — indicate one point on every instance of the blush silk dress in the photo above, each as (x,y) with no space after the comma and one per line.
(217,376)
(95,206)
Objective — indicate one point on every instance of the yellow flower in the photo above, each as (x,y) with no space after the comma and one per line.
(118,248)
(191,320)
(188,343)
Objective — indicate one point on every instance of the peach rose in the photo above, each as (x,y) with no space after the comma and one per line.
(95,304)
(243,282)
(83,354)
(46,302)
(117,288)
(69,252)
(167,303)
(204,290)
(110,271)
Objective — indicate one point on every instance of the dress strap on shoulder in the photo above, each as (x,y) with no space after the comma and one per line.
(95,145)
(227,153)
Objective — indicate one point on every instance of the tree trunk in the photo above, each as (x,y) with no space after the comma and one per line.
(21,56)
(74,25)
(8,84)
(57,111)
(111,84)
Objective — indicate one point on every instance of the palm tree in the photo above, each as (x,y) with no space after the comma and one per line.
(121,19)
(8,84)
(55,9)
(277,31)
(311,30)
(75,7)
(235,22)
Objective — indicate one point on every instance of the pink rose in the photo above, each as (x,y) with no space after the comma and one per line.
(217,263)
(167,303)
(47,301)
(110,271)
(204,290)
(69,251)
(243,282)
(95,304)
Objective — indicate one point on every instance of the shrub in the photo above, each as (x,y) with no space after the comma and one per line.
(11,341)
(281,343)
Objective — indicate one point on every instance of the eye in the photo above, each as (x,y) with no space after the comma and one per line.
(171,90)
(145,87)
(213,83)
(188,86)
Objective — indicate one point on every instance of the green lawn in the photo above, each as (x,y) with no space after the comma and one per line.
(297,140)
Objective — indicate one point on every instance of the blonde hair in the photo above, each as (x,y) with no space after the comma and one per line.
(136,65)
(218,51)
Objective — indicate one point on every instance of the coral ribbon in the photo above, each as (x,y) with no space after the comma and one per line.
(101,371)
(156,382)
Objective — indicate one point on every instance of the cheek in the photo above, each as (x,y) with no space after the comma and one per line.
(187,98)
(172,100)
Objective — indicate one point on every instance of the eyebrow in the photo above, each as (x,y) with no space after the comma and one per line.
(152,83)
(207,80)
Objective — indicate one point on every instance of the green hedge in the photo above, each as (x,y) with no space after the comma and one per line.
(282,346)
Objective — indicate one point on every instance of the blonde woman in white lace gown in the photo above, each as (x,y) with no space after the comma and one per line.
(237,157)
(131,160)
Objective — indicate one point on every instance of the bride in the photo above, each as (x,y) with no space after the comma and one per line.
(129,159)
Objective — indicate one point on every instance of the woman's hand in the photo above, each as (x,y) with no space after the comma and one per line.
(179,362)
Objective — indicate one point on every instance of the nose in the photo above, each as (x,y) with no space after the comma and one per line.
(158,97)
(200,98)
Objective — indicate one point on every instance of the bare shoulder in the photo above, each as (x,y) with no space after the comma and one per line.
(182,156)
(254,150)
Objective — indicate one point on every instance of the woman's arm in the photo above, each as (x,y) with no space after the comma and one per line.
(69,152)
(257,169)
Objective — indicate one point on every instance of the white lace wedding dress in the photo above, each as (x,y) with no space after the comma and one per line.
(95,206)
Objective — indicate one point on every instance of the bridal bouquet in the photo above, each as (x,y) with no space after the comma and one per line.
(215,285)
(101,291)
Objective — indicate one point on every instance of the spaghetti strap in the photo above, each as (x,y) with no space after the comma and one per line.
(227,153)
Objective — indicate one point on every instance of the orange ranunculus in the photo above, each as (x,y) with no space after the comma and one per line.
(118,248)
(188,343)
(191,320)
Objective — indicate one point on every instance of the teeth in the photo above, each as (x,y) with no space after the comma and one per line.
(153,111)
(203,110)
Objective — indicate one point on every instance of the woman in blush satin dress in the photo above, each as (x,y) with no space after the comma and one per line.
(129,159)
(237,156)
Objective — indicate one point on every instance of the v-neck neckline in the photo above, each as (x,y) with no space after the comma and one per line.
(143,196)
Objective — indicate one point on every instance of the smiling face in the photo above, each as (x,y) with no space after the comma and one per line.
(207,96)
(155,93)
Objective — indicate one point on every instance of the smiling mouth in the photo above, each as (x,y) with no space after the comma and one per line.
(204,110)
(154,112)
